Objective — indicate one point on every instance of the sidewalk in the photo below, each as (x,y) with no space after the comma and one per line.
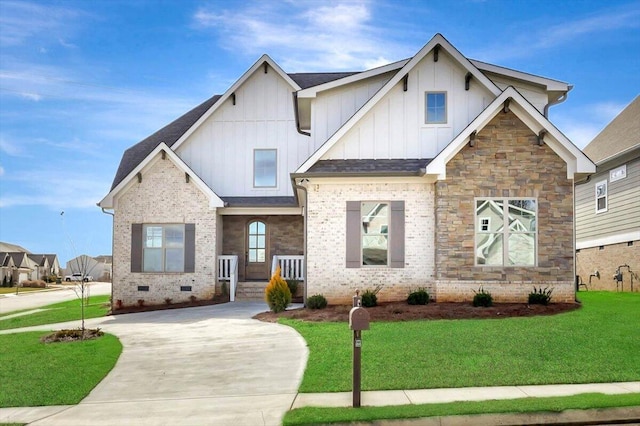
(627,415)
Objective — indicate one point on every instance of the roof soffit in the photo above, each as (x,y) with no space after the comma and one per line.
(437,40)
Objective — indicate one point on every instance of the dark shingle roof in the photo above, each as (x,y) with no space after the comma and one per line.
(310,79)
(412,166)
(259,201)
(169,134)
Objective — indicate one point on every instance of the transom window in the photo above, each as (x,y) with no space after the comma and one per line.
(264,168)
(375,233)
(601,196)
(506,232)
(435,107)
(257,242)
(163,248)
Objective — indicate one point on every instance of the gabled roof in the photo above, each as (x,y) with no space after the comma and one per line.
(168,135)
(214,200)
(312,91)
(312,79)
(548,83)
(437,40)
(620,136)
(576,161)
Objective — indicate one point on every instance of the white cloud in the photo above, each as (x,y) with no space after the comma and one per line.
(335,36)
(11,148)
(1,171)
(587,121)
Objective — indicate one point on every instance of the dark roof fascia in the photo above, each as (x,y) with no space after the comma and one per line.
(420,172)
(311,79)
(259,202)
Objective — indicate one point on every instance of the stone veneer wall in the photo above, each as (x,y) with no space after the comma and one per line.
(285,234)
(326,245)
(163,197)
(606,261)
(506,161)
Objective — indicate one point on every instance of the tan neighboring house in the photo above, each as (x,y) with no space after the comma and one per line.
(437,171)
(608,207)
(18,264)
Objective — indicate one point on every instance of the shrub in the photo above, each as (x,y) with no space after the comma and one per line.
(5,282)
(317,301)
(141,302)
(168,300)
(293,286)
(34,284)
(482,298)
(277,294)
(193,298)
(540,296)
(418,297)
(369,297)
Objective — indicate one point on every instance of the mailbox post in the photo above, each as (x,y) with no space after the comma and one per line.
(358,321)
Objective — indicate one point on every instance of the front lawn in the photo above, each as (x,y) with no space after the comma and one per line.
(58,312)
(34,373)
(12,290)
(314,416)
(597,343)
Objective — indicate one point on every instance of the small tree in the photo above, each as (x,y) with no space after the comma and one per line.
(277,293)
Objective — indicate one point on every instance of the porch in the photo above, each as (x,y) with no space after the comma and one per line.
(291,268)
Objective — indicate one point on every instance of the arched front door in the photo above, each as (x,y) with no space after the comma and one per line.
(256,258)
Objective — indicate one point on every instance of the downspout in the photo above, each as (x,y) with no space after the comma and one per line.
(113,217)
(304,243)
(560,100)
(297,117)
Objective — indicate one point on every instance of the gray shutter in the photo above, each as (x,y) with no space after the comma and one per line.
(136,247)
(189,247)
(354,255)
(396,235)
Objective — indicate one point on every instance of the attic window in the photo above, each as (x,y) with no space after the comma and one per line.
(264,168)
(435,107)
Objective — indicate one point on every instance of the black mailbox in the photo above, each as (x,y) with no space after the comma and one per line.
(358,319)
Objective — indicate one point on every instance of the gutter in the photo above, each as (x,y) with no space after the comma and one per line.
(297,116)
(420,172)
(560,100)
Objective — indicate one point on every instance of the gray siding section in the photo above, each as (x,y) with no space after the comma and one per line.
(623,214)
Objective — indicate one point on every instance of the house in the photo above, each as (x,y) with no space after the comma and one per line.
(608,207)
(45,265)
(86,265)
(17,267)
(436,171)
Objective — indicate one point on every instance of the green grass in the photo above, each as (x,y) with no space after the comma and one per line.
(597,343)
(33,373)
(58,312)
(313,415)
(12,290)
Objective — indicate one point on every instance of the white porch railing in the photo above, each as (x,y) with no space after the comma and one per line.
(228,271)
(291,267)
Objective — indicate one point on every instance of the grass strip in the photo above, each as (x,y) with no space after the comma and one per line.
(12,290)
(59,312)
(33,373)
(315,415)
(575,347)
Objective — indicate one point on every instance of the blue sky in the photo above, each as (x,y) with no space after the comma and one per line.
(80,81)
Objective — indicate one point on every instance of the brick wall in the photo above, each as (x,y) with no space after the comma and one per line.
(163,196)
(285,236)
(326,245)
(606,261)
(506,161)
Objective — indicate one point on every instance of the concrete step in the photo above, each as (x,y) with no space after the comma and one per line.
(251,290)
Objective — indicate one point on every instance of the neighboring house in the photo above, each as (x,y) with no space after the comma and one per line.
(45,265)
(17,266)
(85,265)
(353,180)
(608,207)
(6,269)
(105,269)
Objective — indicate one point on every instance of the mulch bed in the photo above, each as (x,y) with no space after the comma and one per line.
(401,311)
(165,306)
(72,335)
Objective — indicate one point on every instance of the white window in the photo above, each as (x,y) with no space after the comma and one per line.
(618,173)
(163,248)
(435,107)
(264,168)
(601,196)
(506,232)
(375,233)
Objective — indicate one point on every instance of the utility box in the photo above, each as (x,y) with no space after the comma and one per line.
(358,319)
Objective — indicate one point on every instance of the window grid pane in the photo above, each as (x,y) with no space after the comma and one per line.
(375,233)
(264,168)
(163,248)
(436,107)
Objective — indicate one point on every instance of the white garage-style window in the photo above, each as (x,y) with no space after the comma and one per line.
(506,231)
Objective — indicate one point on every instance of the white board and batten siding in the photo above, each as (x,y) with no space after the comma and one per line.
(623,207)
(395,127)
(534,94)
(221,150)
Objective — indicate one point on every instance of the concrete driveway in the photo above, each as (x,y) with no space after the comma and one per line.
(211,365)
